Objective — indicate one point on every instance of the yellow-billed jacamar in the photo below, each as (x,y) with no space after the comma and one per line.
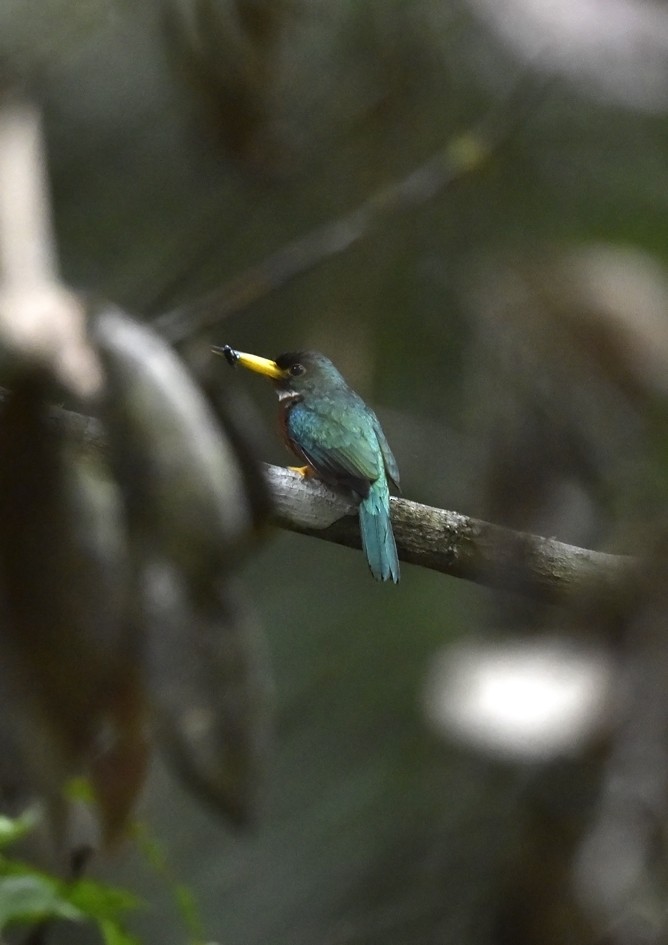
(330,427)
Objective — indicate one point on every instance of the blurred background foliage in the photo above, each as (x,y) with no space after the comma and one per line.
(512,333)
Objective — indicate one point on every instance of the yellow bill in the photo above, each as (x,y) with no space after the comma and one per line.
(251,361)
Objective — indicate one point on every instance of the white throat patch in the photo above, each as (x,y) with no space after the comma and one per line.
(285,396)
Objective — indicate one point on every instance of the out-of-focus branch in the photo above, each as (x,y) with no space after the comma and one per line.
(40,321)
(461,157)
(26,242)
(465,154)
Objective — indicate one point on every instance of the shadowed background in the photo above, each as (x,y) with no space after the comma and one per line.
(510,331)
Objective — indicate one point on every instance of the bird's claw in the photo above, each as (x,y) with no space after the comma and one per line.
(301,470)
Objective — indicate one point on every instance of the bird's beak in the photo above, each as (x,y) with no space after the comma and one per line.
(251,361)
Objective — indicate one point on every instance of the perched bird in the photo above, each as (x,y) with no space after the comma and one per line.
(330,427)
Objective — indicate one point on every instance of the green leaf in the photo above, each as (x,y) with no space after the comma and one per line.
(113,934)
(79,789)
(31,898)
(28,896)
(99,901)
(13,828)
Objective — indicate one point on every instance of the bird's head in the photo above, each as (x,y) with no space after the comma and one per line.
(296,372)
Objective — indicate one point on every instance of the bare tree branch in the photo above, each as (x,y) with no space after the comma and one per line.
(429,537)
(452,543)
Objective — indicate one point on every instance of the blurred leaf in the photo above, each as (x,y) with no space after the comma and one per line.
(13,828)
(156,856)
(100,901)
(182,480)
(79,789)
(33,898)
(211,690)
(113,934)
(67,644)
(192,507)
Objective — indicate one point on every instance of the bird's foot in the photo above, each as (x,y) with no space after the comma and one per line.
(301,470)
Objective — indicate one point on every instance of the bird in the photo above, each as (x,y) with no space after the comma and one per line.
(328,426)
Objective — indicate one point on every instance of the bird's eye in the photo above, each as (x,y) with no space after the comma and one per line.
(297,369)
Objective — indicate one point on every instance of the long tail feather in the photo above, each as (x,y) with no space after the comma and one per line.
(377,536)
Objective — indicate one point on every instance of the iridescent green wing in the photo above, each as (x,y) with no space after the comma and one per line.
(339,441)
(391,467)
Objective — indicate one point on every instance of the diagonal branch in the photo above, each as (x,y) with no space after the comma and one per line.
(460,158)
(464,155)
(454,544)
(429,537)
